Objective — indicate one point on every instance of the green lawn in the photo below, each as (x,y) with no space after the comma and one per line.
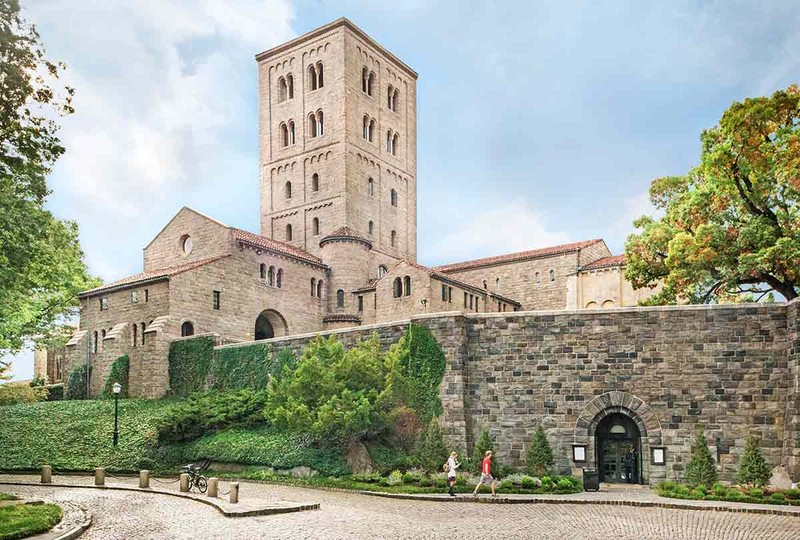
(8,497)
(25,520)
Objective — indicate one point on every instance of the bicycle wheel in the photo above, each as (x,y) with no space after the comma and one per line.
(202,484)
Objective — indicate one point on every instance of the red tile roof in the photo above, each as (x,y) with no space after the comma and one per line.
(274,245)
(152,275)
(519,256)
(444,277)
(345,233)
(605,262)
(368,286)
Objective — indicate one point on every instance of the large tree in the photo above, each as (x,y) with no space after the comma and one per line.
(41,262)
(730,229)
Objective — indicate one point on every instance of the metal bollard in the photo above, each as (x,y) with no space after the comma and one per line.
(184,482)
(99,476)
(47,474)
(144,479)
(213,486)
(234,492)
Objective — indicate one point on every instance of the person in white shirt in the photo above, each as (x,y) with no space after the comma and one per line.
(452,465)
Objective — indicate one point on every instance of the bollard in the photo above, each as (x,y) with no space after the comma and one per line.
(234,492)
(144,479)
(99,476)
(184,482)
(213,484)
(47,474)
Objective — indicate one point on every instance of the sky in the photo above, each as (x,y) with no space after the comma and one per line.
(539,122)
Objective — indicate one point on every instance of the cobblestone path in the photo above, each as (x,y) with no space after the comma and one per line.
(129,515)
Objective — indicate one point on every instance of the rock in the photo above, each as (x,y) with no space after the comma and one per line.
(780,478)
(358,458)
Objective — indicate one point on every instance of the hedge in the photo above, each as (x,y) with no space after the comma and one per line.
(118,373)
(189,364)
(248,366)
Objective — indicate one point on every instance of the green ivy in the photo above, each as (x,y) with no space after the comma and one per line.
(248,366)
(76,383)
(189,363)
(118,374)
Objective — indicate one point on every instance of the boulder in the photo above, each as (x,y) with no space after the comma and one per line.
(780,478)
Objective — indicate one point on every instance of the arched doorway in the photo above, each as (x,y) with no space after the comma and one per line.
(270,324)
(617,435)
(187,329)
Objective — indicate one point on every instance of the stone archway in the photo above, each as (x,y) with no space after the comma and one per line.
(623,404)
(270,324)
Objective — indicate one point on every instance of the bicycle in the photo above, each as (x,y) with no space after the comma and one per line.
(195,478)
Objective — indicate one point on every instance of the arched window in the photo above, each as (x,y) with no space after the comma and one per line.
(536,278)
(187,329)
(315,182)
(312,77)
(320,80)
(370,187)
(319,289)
(393,197)
(608,304)
(485,284)
(271,276)
(94,342)
(291,131)
(407,285)
(552,275)
(370,228)
(397,287)
(290,86)
(287,190)
(312,125)
(395,143)
(370,82)
(262,271)
(389,141)
(144,326)
(371,129)
(288,232)
(395,99)
(394,237)
(382,271)
(497,282)
(284,131)
(365,127)
(390,97)
(135,334)
(283,90)
(313,286)
(367,81)
(320,124)
(279,278)
(315,226)
(340,298)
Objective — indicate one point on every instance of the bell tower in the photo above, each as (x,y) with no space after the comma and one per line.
(337,134)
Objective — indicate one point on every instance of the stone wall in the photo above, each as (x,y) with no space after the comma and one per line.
(791,444)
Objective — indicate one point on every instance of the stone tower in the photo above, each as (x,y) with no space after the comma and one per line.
(338,143)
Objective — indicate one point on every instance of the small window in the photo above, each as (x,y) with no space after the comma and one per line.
(134,297)
(320,79)
(319,289)
(312,77)
(146,296)
(382,271)
(262,271)
(360,303)
(370,187)
(497,282)
(470,301)
(389,97)
(291,132)
(444,293)
(315,226)
(313,286)
(315,182)
(94,342)
(279,278)
(290,86)
(465,299)
(287,190)
(187,329)
(450,294)
(283,89)
(395,99)
(393,197)
(215,299)
(485,284)
(186,244)
(552,275)
(104,303)
(340,298)
(395,144)
(397,287)
(288,232)
(370,228)
(407,285)
(371,132)
(320,123)
(312,125)
(271,276)
(284,133)
(134,333)
(389,141)
(536,278)
(367,81)
(393,238)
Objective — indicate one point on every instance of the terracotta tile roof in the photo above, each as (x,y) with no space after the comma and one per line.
(605,262)
(444,277)
(519,256)
(504,298)
(341,317)
(345,233)
(274,245)
(151,275)
(368,286)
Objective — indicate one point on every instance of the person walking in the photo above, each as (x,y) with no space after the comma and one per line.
(486,474)
(452,464)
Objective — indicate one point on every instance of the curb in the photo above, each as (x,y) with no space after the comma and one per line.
(208,501)
(77,531)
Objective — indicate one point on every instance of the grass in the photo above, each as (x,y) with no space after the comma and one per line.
(25,520)
(8,497)
(718,492)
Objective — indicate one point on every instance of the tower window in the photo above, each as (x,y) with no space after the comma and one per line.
(360,303)
(312,125)
(284,132)
(389,141)
(279,278)
(444,293)
(368,125)
(312,77)
(382,271)
(291,131)
(287,190)
(397,287)
(215,299)
(144,326)
(367,81)
(407,285)
(262,271)
(395,143)
(450,294)
(315,182)
(315,226)
(283,89)
(536,277)
(320,123)
(370,187)
(340,298)
(370,228)
(313,286)
(288,232)
(393,238)
(104,303)
(320,80)
(390,98)
(271,276)
(552,275)
(290,86)
(393,197)
(319,289)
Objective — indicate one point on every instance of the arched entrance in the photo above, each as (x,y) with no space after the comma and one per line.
(270,324)
(618,444)
(187,329)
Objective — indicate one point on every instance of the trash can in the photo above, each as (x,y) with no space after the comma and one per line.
(591,480)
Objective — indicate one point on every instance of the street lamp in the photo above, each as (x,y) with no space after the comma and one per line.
(117,389)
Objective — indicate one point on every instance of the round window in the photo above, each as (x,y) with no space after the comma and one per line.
(186,244)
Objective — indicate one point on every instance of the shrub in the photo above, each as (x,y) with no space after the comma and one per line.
(117,374)
(77,387)
(212,411)
(754,470)
(425,482)
(484,443)
(386,459)
(395,478)
(55,392)
(540,456)
(529,482)
(37,380)
(367,478)
(701,469)
(413,476)
(189,363)
(13,393)
(432,451)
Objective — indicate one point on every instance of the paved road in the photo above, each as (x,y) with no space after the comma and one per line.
(129,515)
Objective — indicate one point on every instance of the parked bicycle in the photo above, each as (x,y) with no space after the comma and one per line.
(195,478)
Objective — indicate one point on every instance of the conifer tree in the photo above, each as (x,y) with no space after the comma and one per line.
(701,469)
(484,443)
(540,455)
(754,470)
(433,452)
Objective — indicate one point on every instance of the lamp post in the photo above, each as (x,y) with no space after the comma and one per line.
(117,388)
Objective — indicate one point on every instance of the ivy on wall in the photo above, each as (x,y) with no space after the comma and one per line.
(189,364)
(118,373)
(77,387)
(249,366)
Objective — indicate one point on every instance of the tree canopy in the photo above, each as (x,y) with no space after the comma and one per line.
(41,262)
(730,229)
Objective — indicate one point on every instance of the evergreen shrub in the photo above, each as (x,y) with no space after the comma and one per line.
(754,470)
(701,469)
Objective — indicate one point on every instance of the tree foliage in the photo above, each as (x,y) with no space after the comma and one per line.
(754,470)
(41,266)
(540,456)
(731,226)
(119,372)
(484,443)
(432,451)
(701,469)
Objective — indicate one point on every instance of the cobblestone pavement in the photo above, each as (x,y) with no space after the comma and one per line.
(130,515)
